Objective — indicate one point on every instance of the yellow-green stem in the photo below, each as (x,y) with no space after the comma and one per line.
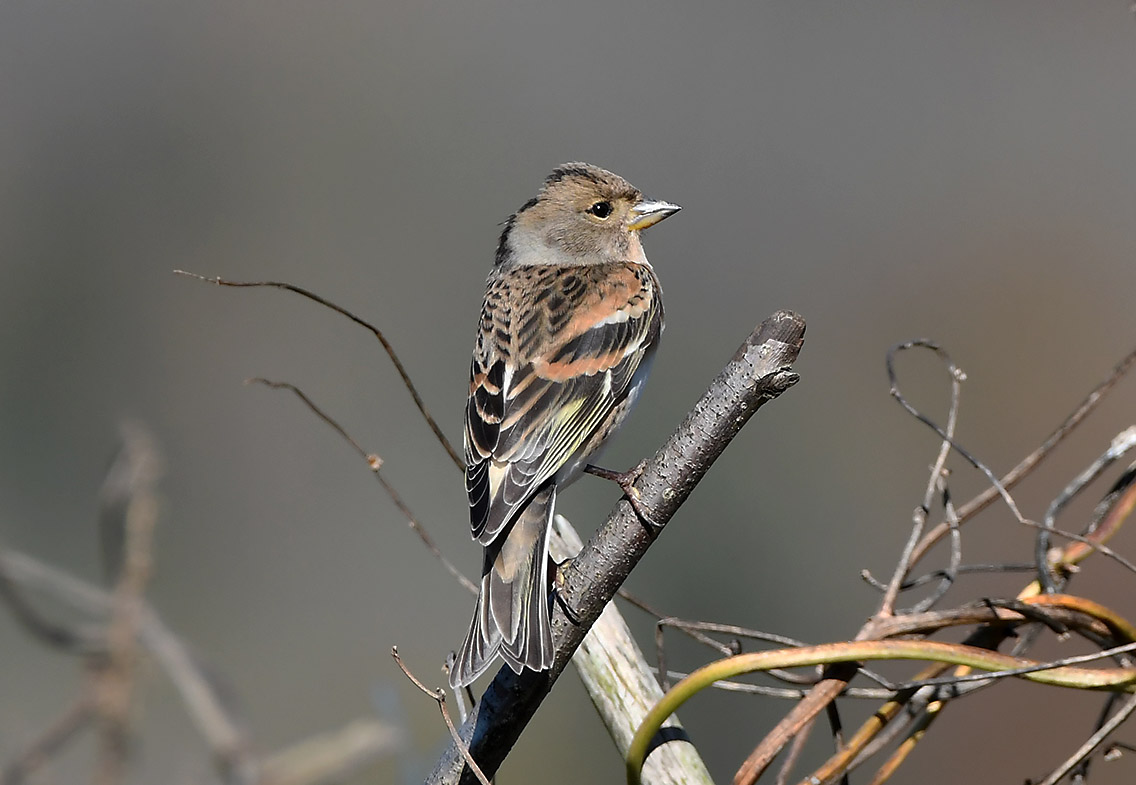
(1119,679)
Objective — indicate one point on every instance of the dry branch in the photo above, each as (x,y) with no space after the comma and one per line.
(331,757)
(130,509)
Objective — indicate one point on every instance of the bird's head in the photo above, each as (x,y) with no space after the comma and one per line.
(582,215)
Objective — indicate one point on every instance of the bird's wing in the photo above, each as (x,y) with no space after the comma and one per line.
(556,350)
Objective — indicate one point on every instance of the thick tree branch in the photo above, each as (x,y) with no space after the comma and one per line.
(759,371)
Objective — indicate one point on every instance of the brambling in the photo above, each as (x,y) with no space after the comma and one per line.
(569,326)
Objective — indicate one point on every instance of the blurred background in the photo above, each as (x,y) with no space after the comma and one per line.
(962,171)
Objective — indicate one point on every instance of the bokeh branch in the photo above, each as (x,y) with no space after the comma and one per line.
(122,627)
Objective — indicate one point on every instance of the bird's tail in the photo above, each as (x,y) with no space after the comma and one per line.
(512,607)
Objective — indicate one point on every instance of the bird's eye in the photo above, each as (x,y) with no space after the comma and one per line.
(600,210)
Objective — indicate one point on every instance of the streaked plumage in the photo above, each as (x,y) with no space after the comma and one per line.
(570,322)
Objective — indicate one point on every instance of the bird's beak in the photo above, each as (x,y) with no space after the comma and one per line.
(647,214)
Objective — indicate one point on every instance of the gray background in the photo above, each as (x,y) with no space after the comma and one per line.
(963,170)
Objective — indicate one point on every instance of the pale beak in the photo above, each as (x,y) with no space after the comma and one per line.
(647,214)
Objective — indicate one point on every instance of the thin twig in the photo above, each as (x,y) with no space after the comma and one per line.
(49,743)
(948,576)
(728,629)
(794,754)
(696,628)
(786,693)
(375,463)
(913,712)
(745,632)
(916,730)
(950,681)
(1080,771)
(1091,743)
(938,575)
(1121,444)
(1090,540)
(1110,512)
(439,695)
(463,695)
(441,437)
(690,631)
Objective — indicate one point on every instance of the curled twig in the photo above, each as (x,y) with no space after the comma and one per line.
(947,438)
(1031,461)
(919,518)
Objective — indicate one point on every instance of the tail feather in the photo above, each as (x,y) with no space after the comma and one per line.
(512,616)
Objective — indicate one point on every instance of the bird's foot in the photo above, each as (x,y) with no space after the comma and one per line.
(626,481)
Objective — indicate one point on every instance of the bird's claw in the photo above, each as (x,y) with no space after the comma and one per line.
(626,481)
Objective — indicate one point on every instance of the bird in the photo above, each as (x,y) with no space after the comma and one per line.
(569,326)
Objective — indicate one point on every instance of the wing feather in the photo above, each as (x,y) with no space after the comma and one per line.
(538,393)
